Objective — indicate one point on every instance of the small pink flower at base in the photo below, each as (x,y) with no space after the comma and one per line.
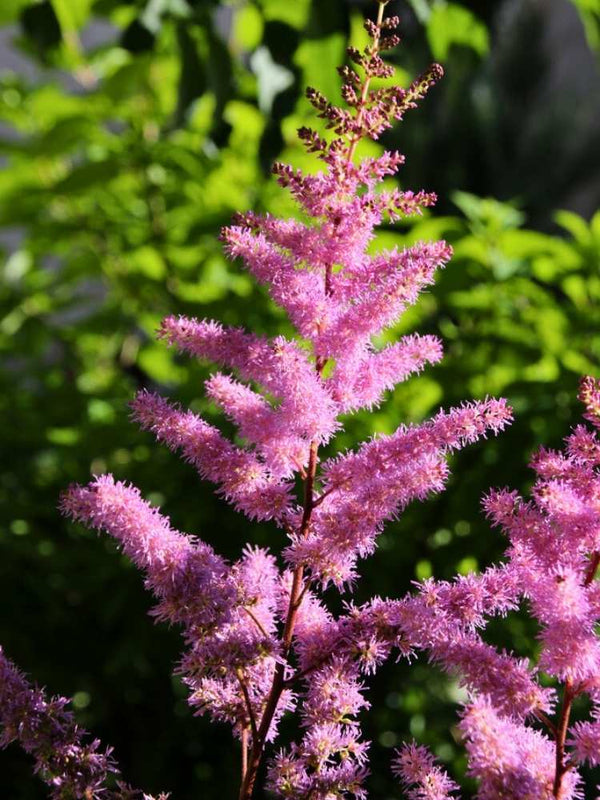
(288,776)
(334,694)
(583,446)
(223,701)
(421,777)
(325,741)
(329,763)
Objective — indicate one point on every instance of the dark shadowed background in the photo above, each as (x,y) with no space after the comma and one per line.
(129,133)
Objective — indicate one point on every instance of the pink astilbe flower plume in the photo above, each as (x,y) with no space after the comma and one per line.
(189,579)
(510,759)
(259,637)
(553,557)
(243,478)
(73,768)
(362,381)
(366,488)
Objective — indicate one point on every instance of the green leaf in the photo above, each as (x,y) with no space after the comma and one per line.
(319,59)
(422,10)
(87,175)
(67,134)
(589,13)
(63,436)
(576,225)
(157,362)
(487,212)
(248,27)
(147,261)
(293,13)
(10,10)
(72,15)
(449,25)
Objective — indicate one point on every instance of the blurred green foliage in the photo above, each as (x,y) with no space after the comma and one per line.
(122,160)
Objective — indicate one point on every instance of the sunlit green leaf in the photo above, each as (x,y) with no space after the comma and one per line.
(450,24)
(9,10)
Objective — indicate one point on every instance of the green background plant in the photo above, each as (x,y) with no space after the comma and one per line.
(124,153)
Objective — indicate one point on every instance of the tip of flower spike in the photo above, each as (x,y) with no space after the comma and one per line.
(589,395)
(311,140)
(416,767)
(436,71)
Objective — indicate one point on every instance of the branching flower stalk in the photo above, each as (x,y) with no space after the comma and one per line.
(349,141)
(260,641)
(552,562)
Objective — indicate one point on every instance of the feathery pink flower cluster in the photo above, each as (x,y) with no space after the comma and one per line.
(420,775)
(259,638)
(71,767)
(514,746)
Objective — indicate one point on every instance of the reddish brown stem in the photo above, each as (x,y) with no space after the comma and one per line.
(561,735)
(591,573)
(244,688)
(244,752)
(296,595)
(365,89)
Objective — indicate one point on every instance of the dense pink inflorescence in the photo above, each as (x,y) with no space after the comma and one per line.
(73,768)
(552,559)
(366,488)
(228,612)
(510,759)
(259,639)
(47,730)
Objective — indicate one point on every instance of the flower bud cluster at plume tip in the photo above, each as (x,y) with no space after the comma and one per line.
(259,638)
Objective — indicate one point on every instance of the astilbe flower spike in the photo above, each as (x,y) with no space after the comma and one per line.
(259,639)
(519,738)
(73,768)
